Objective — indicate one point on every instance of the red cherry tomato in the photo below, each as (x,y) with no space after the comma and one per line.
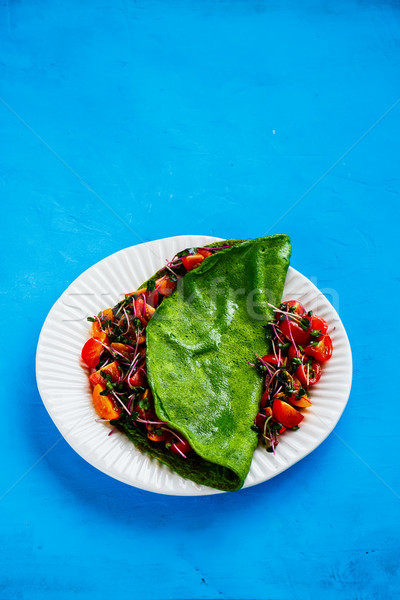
(181,447)
(294,353)
(272,360)
(298,308)
(286,414)
(322,351)
(153,299)
(140,310)
(260,420)
(264,399)
(313,372)
(92,350)
(319,324)
(137,379)
(293,332)
(204,253)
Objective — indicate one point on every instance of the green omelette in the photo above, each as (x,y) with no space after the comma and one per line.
(199,342)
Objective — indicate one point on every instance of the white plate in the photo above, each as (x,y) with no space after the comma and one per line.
(65,390)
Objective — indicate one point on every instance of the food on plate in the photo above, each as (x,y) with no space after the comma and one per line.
(170,363)
(300,343)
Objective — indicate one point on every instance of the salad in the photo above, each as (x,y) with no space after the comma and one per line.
(301,345)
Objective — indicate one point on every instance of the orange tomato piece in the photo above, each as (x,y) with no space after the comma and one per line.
(122,349)
(287,415)
(104,315)
(104,405)
(303,401)
(191,261)
(154,437)
(149,311)
(92,350)
(112,369)
(164,286)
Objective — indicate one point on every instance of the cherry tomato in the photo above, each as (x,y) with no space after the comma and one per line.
(191,261)
(155,437)
(112,369)
(123,349)
(273,360)
(137,379)
(204,253)
(145,408)
(264,399)
(313,372)
(104,405)
(164,286)
(286,414)
(322,351)
(184,447)
(294,352)
(318,324)
(104,315)
(153,298)
(302,402)
(92,350)
(293,332)
(298,308)
(140,310)
(260,420)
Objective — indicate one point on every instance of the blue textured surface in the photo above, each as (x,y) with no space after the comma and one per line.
(215,118)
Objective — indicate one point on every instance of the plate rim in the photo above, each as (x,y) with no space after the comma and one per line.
(204,490)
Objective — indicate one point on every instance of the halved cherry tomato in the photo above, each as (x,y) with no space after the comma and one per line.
(137,293)
(155,437)
(321,351)
(273,360)
(204,253)
(164,286)
(92,350)
(123,349)
(308,375)
(104,315)
(137,379)
(286,414)
(260,420)
(293,332)
(181,447)
(191,261)
(149,311)
(294,352)
(298,308)
(318,324)
(140,310)
(264,398)
(153,298)
(104,405)
(112,369)
(144,409)
(302,402)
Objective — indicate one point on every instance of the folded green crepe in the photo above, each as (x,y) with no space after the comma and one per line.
(199,343)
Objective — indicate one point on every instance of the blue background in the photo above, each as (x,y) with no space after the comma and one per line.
(128,121)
